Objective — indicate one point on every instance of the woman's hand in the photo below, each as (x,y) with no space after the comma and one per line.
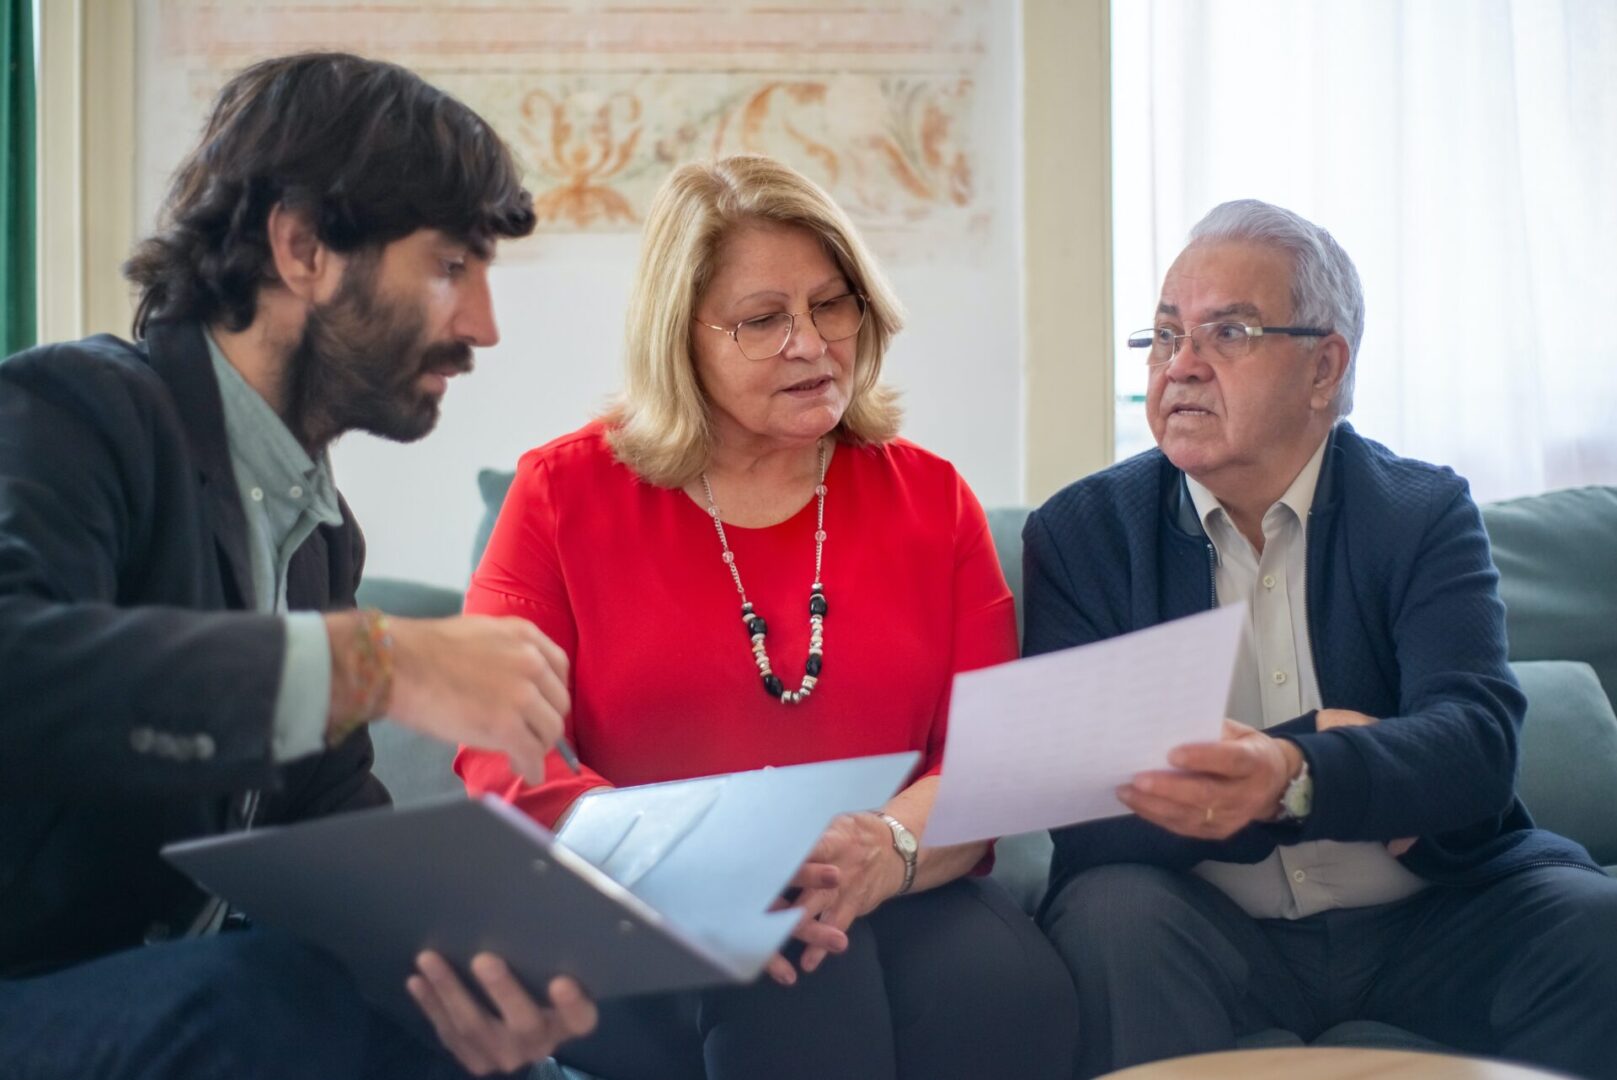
(848,874)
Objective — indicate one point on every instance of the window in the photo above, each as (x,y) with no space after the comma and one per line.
(1464,155)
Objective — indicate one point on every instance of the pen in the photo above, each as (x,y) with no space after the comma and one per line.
(565,749)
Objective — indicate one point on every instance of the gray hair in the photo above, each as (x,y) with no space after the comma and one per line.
(1325,289)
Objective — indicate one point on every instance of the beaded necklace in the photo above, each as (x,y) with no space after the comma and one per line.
(757,628)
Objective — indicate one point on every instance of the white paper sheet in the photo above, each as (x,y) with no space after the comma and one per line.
(1045,742)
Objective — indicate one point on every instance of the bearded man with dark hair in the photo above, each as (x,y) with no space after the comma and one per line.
(179,650)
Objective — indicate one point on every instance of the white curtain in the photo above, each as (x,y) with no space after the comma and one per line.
(1464,152)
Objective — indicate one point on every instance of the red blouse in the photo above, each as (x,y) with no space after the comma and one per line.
(628,579)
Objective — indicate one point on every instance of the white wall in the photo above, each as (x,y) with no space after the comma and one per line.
(560,299)
(561,318)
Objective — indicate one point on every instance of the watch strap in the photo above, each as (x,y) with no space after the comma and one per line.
(1297,801)
(905,844)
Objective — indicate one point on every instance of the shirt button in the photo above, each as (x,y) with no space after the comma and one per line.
(1298,876)
(296,492)
(257,494)
(204,746)
(1268,581)
(1280,678)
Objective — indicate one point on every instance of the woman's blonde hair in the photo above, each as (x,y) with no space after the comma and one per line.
(660,425)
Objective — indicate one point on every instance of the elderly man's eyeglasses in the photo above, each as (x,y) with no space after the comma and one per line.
(766,336)
(1228,340)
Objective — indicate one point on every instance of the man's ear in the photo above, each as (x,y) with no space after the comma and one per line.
(1330,368)
(305,266)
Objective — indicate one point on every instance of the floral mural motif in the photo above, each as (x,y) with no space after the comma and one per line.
(919,147)
(598,171)
(876,104)
(752,120)
(581,162)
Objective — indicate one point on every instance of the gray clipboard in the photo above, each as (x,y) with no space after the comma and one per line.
(463,876)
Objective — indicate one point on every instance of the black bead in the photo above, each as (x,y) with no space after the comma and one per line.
(817,604)
(772,686)
(813,665)
(757,626)
(746,609)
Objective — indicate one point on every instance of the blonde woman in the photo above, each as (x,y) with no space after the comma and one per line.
(746,566)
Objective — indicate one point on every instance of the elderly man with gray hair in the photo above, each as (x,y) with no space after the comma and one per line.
(1352,848)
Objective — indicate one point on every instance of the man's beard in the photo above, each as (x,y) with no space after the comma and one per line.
(359,364)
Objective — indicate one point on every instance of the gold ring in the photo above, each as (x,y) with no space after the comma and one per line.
(1208,820)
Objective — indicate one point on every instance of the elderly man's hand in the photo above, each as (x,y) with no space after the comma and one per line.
(520,1033)
(1220,788)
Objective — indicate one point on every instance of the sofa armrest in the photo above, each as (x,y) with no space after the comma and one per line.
(1568,771)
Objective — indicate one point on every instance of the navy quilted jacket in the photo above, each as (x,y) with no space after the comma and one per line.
(1406,625)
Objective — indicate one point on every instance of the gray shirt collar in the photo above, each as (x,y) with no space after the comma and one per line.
(263,448)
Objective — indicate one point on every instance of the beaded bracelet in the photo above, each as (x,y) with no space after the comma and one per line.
(369,682)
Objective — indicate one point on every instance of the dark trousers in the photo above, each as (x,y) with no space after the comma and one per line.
(251,1005)
(952,982)
(1166,964)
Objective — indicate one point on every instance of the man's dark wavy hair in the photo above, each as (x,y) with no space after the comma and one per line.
(367,149)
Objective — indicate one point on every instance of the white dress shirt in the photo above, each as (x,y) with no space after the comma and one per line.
(1275,681)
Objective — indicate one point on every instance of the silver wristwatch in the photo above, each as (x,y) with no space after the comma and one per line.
(1298,798)
(905,844)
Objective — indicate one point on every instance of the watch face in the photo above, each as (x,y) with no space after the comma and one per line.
(1299,799)
(903,839)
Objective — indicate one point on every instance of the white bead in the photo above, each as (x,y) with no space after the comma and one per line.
(820,536)
(729,557)
(809,682)
(820,490)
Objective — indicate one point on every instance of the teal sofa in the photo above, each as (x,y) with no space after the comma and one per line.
(1557,558)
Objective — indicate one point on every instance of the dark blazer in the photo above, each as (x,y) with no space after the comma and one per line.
(1406,625)
(136,694)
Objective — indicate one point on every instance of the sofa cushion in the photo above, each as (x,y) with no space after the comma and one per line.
(413,767)
(1005,525)
(1558,576)
(1568,765)
(492,484)
(1022,865)
(408,599)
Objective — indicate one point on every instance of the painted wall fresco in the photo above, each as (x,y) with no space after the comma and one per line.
(878,103)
